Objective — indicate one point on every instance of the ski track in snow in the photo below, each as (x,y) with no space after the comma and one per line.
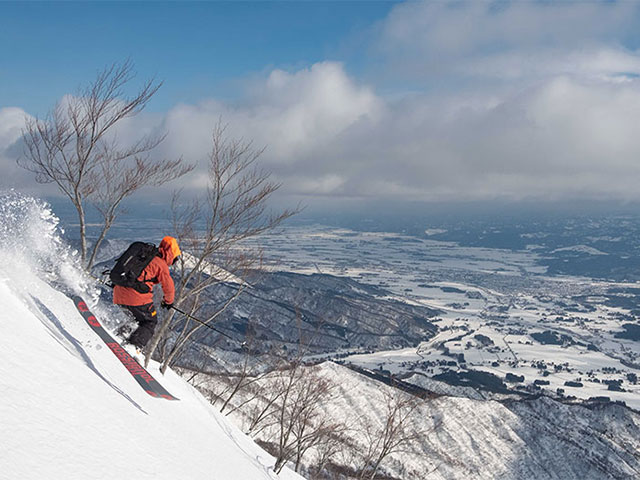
(73,346)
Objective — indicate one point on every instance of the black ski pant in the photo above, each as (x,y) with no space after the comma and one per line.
(147,318)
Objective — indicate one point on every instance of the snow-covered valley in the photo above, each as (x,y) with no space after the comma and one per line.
(498,312)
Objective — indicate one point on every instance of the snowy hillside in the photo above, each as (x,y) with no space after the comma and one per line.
(69,408)
(463,439)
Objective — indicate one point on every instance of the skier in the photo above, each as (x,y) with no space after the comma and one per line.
(138,298)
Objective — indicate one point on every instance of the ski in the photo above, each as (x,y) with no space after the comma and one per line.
(144,378)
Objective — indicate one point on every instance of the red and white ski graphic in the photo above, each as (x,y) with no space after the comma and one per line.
(144,378)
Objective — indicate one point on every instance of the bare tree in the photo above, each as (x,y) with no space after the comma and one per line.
(213,232)
(245,381)
(285,400)
(328,447)
(242,378)
(394,435)
(312,429)
(296,409)
(262,414)
(296,406)
(75,147)
(248,381)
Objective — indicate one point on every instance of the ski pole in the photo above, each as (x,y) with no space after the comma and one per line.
(206,325)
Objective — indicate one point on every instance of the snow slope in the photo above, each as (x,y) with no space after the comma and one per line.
(69,408)
(467,439)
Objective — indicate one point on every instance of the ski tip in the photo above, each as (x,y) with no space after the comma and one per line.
(166,396)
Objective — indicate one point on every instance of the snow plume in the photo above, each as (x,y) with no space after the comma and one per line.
(31,243)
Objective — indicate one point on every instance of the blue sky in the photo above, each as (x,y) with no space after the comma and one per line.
(199,49)
(358,103)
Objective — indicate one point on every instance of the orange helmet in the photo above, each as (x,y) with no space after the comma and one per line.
(170,249)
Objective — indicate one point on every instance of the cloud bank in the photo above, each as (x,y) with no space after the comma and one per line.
(513,101)
(12,122)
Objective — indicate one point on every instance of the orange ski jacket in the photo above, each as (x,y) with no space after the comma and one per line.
(156,272)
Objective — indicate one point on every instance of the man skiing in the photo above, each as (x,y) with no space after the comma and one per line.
(137,295)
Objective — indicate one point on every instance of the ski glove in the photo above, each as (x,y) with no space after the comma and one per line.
(166,305)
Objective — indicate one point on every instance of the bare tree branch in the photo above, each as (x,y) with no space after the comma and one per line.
(213,231)
(75,147)
(396,433)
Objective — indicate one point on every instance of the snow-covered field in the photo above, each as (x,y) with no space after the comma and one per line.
(492,300)
(69,408)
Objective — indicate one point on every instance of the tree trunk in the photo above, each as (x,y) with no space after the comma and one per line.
(83,233)
(94,252)
(169,359)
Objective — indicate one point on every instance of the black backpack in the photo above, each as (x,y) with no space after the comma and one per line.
(131,264)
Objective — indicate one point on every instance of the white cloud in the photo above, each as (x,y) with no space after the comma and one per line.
(295,115)
(450,46)
(329,136)
(461,28)
(600,63)
(530,99)
(292,113)
(322,185)
(519,99)
(12,121)
(561,138)
(306,109)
